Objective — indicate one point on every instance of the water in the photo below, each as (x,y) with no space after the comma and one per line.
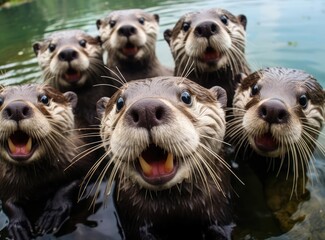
(279,33)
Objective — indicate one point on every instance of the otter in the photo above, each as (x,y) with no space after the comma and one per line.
(72,60)
(37,147)
(129,36)
(208,47)
(164,136)
(278,114)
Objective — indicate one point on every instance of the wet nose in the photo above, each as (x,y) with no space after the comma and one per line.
(68,55)
(17,111)
(206,29)
(127,30)
(148,113)
(273,111)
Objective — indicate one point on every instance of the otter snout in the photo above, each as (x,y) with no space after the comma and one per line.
(17,110)
(206,29)
(127,30)
(273,111)
(68,55)
(147,113)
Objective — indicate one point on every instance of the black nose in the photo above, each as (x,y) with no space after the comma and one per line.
(206,29)
(148,113)
(273,111)
(127,30)
(68,55)
(17,111)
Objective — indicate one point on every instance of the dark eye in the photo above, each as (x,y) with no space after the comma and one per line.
(119,104)
(52,47)
(303,101)
(44,99)
(186,97)
(224,19)
(112,23)
(141,20)
(255,90)
(82,42)
(1,101)
(186,26)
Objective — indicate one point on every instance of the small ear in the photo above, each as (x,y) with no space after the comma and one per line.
(156,16)
(240,77)
(101,105)
(220,94)
(72,98)
(243,20)
(36,47)
(98,23)
(167,35)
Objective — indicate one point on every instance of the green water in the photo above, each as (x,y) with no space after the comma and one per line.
(279,33)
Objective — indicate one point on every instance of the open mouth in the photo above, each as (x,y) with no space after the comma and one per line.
(20,146)
(156,165)
(210,55)
(130,50)
(72,75)
(266,142)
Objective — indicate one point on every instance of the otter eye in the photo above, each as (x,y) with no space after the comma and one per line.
(255,90)
(82,43)
(186,26)
(44,99)
(141,20)
(1,101)
(119,104)
(112,23)
(303,101)
(52,47)
(186,97)
(224,19)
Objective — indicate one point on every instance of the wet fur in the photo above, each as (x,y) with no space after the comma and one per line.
(189,46)
(282,171)
(195,202)
(40,185)
(145,26)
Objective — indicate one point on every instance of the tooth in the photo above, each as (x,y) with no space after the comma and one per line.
(29,145)
(146,168)
(12,147)
(169,164)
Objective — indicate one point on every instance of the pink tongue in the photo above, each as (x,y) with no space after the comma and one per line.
(266,142)
(130,51)
(20,150)
(210,56)
(158,168)
(72,77)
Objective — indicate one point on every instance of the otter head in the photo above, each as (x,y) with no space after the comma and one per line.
(129,35)
(208,40)
(279,112)
(34,119)
(161,132)
(69,59)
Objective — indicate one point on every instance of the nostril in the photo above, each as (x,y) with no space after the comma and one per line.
(8,112)
(282,115)
(135,116)
(25,111)
(264,111)
(214,28)
(159,113)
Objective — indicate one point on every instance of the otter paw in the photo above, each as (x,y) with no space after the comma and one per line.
(20,229)
(54,216)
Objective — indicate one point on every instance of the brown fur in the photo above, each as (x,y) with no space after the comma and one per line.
(129,37)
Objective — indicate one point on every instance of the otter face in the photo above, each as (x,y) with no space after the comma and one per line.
(161,132)
(34,119)
(69,58)
(279,111)
(208,40)
(129,34)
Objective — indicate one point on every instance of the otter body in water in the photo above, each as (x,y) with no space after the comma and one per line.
(278,114)
(72,60)
(37,145)
(212,42)
(129,37)
(165,139)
